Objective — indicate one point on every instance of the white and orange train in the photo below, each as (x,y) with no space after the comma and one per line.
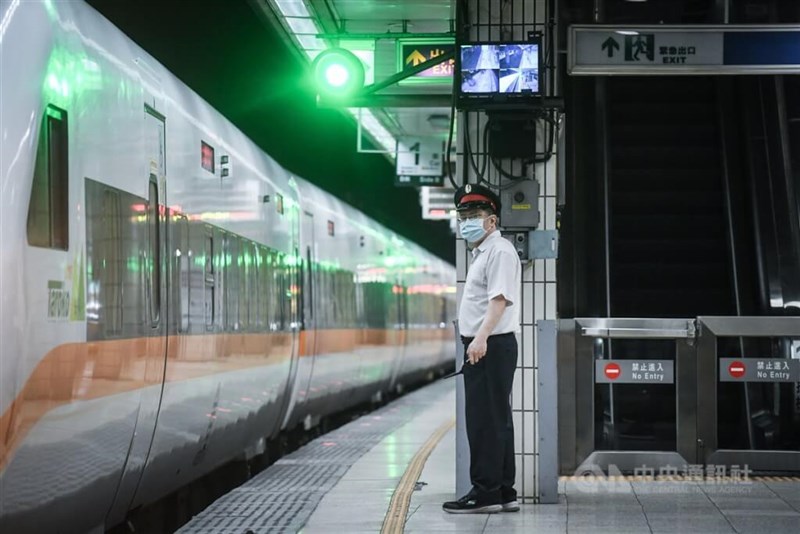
(171,297)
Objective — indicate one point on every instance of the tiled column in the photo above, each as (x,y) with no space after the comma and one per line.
(539,276)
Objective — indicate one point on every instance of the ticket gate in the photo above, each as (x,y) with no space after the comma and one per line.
(671,395)
(748,408)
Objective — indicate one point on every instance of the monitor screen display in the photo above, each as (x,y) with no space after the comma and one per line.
(499,69)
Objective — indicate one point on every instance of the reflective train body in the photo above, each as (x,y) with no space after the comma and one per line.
(171,297)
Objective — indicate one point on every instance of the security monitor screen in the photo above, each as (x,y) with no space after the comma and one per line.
(492,69)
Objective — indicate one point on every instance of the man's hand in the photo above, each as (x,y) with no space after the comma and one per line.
(476,350)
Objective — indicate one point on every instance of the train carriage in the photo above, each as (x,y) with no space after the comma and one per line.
(171,297)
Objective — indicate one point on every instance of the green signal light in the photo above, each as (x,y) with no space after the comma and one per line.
(338,73)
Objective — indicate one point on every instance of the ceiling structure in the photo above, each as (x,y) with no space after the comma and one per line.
(373,29)
(238,61)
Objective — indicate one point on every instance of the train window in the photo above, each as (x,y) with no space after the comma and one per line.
(309,286)
(154,267)
(252,275)
(264,298)
(184,269)
(243,263)
(259,288)
(48,221)
(229,318)
(210,281)
(278,296)
(110,273)
(234,281)
(283,295)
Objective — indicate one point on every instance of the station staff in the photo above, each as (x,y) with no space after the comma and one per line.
(488,319)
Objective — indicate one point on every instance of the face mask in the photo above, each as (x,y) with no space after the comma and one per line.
(472,229)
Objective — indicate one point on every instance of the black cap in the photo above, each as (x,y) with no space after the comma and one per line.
(474,196)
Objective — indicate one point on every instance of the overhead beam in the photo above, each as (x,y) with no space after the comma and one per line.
(388,101)
(434,101)
(367,97)
(326,16)
(407,73)
(345,36)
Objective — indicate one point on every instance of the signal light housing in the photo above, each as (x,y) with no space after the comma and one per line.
(338,73)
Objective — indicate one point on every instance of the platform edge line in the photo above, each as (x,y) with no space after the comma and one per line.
(394,522)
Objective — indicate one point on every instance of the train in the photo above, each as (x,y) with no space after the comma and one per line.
(172,298)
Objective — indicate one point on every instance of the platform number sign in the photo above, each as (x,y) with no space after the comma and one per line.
(419,161)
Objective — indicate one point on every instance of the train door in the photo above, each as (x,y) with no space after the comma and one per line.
(154,346)
(399,355)
(310,313)
(303,363)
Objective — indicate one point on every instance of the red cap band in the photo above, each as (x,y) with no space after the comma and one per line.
(474,197)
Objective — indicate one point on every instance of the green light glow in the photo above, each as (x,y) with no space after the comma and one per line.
(70,74)
(338,73)
(133,264)
(51,10)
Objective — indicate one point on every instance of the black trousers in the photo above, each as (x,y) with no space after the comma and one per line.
(490,428)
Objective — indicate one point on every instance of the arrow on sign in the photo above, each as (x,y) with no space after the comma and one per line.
(610,44)
(418,58)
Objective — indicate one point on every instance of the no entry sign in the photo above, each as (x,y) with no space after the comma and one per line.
(634,372)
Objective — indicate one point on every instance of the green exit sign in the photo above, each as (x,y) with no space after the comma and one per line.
(411,53)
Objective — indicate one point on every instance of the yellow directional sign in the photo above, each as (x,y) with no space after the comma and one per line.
(415,58)
(412,53)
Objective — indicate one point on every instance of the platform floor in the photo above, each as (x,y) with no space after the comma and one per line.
(345,482)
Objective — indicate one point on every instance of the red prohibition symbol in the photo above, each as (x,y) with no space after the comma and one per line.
(736,369)
(612,371)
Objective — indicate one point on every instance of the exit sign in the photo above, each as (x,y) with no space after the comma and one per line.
(412,53)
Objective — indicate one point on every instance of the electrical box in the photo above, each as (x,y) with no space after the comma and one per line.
(512,137)
(543,244)
(520,242)
(520,204)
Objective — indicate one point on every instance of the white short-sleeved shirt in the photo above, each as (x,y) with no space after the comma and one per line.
(495,270)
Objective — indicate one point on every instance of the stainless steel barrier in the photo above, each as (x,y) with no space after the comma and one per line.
(635,360)
(586,360)
(711,374)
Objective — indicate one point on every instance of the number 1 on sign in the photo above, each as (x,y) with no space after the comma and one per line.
(415,148)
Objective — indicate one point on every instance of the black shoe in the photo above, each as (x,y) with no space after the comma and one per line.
(470,504)
(511,506)
(509,500)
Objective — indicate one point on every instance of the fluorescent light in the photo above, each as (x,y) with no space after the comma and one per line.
(309,42)
(304,31)
(627,32)
(378,132)
(293,8)
(302,26)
